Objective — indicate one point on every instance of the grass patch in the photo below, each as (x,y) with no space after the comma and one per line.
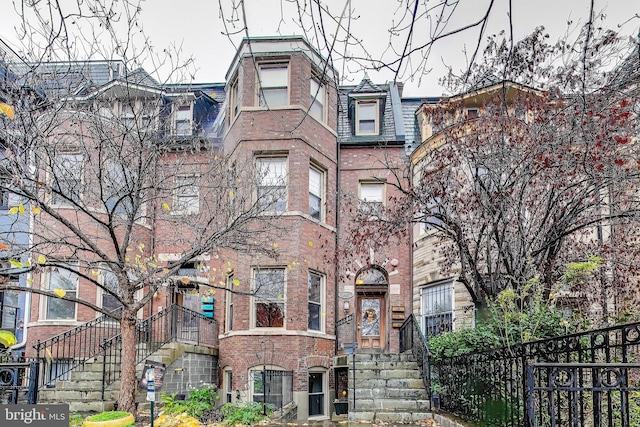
(76,420)
(108,416)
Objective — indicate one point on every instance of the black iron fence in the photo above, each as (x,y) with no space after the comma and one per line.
(176,323)
(531,385)
(71,349)
(412,338)
(583,394)
(18,380)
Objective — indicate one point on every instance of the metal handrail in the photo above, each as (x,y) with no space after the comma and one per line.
(176,323)
(71,349)
(412,338)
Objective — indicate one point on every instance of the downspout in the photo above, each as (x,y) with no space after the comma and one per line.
(336,290)
(27,298)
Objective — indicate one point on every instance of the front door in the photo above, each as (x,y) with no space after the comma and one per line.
(371,322)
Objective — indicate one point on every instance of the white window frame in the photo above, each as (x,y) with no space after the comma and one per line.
(148,117)
(186,195)
(228,311)
(376,116)
(183,114)
(127,115)
(234,93)
(320,303)
(372,205)
(227,385)
(64,171)
(440,290)
(47,300)
(115,177)
(103,281)
(324,392)
(424,224)
(260,296)
(318,95)
(316,191)
(273,181)
(279,87)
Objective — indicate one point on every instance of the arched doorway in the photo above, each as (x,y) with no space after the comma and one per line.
(371,307)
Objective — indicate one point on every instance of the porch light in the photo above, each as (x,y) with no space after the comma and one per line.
(345,305)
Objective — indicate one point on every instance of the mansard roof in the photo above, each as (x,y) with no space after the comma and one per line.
(391,123)
(366,86)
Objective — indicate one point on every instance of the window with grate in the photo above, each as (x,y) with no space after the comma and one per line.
(437,308)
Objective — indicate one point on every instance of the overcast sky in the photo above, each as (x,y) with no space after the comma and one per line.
(196,25)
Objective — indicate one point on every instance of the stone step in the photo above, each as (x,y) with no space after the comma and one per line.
(87,375)
(389,417)
(387,357)
(392,405)
(388,373)
(391,393)
(79,384)
(57,395)
(377,366)
(388,388)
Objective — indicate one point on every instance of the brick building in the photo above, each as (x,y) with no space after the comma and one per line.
(321,158)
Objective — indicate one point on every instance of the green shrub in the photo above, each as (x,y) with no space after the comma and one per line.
(248,414)
(513,317)
(199,400)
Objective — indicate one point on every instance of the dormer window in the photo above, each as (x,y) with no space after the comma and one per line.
(472,113)
(274,85)
(183,120)
(367,120)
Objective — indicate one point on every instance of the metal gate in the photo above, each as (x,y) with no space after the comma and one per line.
(18,381)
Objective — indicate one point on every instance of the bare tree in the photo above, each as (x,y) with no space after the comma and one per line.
(531,166)
(110,174)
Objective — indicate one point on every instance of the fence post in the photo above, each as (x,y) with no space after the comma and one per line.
(104,365)
(32,394)
(530,420)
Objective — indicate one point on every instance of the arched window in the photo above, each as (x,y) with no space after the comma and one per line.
(372,276)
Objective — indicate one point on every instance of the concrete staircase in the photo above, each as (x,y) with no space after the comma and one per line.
(388,388)
(83,391)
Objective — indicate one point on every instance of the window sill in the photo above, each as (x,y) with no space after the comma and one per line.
(184,213)
(54,322)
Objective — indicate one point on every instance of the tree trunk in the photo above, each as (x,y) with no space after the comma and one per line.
(129,383)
